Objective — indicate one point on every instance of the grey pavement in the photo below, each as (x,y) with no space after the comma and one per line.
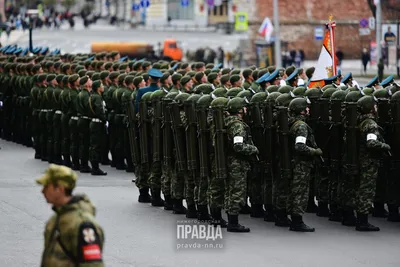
(143,236)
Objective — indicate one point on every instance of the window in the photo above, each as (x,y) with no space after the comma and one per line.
(178,12)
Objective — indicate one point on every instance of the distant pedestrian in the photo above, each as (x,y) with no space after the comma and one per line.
(339,56)
(72,235)
(365,58)
(221,56)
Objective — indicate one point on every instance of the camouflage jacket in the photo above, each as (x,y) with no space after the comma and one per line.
(371,140)
(302,135)
(239,137)
(72,236)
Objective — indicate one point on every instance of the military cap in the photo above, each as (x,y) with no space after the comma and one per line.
(157,66)
(145,76)
(294,75)
(129,79)
(185,79)
(247,72)
(255,74)
(87,63)
(209,66)
(123,66)
(104,74)
(73,78)
(65,67)
(235,72)
(165,66)
(131,63)
(204,88)
(388,81)
(145,64)
(313,93)
(215,71)
(60,77)
(191,74)
(259,97)
(49,64)
(176,77)
(328,93)
(395,97)
(225,78)
(310,72)
(114,75)
(271,69)
(234,78)
(96,84)
(199,65)
(339,95)
(207,71)
(90,73)
(211,77)
(50,77)
(57,64)
(326,87)
(199,76)
(165,77)
(225,71)
(273,76)
(83,80)
(114,53)
(234,91)
(299,91)
(346,78)
(245,94)
(184,65)
(353,96)
(261,73)
(99,64)
(58,175)
(367,91)
(82,73)
(263,78)
(137,65)
(121,78)
(381,94)
(137,80)
(373,82)
(95,76)
(133,73)
(155,74)
(42,77)
(289,70)
(108,65)
(182,72)
(284,100)
(271,98)
(115,66)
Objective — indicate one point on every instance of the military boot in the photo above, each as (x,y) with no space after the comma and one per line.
(168,203)
(120,163)
(144,196)
(76,164)
(281,219)
(96,171)
(156,200)
(217,218)
(269,215)
(348,218)
(130,169)
(298,225)
(67,161)
(363,225)
(335,214)
(37,155)
(178,207)
(311,207)
(191,212)
(85,167)
(234,226)
(257,211)
(202,213)
(245,209)
(322,210)
(394,215)
(379,210)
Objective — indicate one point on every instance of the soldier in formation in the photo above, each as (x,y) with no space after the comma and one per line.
(217,139)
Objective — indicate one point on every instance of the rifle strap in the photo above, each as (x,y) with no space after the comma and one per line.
(90,105)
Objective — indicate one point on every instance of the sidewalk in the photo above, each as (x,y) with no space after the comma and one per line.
(356,68)
(13,38)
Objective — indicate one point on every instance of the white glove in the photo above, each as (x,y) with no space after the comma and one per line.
(107,124)
(1,103)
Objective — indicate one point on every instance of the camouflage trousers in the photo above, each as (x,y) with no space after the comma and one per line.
(177,183)
(322,183)
(142,176)
(366,187)
(155,176)
(334,177)
(190,195)
(255,179)
(166,180)
(299,188)
(281,186)
(382,181)
(216,188)
(268,187)
(236,185)
(347,188)
(201,189)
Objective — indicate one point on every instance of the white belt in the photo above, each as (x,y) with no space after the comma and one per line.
(44,110)
(85,117)
(58,112)
(74,118)
(96,120)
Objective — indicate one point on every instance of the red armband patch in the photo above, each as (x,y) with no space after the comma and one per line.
(91,252)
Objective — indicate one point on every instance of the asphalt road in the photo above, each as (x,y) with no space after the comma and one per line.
(140,235)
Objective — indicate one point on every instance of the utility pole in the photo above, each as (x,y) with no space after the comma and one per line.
(378,30)
(278,55)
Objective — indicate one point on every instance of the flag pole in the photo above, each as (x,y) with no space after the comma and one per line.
(331,26)
(278,55)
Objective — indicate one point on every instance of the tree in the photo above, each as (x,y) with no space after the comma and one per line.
(68,3)
(49,3)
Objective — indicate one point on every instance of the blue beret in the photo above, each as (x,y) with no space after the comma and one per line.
(347,78)
(387,81)
(293,75)
(217,67)
(36,50)
(44,50)
(155,73)
(375,80)
(273,75)
(122,59)
(175,67)
(18,50)
(262,78)
(89,59)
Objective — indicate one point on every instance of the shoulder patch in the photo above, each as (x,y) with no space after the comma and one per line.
(89,243)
